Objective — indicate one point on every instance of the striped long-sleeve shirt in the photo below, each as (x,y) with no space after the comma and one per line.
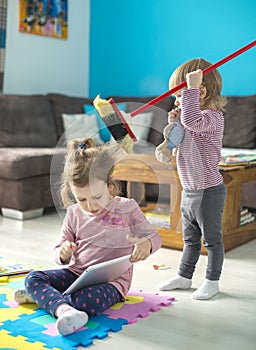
(199,153)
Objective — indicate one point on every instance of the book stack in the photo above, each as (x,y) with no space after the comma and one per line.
(158,220)
(238,159)
(246,217)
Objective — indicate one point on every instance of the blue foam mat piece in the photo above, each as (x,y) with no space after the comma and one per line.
(102,325)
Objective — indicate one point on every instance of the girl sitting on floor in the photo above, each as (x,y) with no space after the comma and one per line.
(98,226)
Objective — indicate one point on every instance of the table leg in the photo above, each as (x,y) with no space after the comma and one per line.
(136,190)
(175,202)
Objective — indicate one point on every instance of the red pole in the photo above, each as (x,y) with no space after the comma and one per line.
(184,83)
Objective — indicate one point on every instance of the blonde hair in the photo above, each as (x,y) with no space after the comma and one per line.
(85,161)
(211,81)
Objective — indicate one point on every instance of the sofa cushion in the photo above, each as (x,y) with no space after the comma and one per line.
(160,114)
(66,104)
(78,126)
(140,125)
(103,130)
(26,121)
(20,163)
(240,122)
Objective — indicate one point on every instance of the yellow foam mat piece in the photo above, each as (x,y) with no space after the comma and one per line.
(14,313)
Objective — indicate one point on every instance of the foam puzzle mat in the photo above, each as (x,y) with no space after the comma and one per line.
(27,327)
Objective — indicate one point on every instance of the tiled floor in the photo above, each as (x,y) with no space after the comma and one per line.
(226,322)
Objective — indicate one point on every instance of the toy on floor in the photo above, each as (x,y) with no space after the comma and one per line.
(161,267)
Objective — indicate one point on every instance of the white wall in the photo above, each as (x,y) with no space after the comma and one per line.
(38,64)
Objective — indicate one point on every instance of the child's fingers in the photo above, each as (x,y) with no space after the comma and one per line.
(73,246)
(142,248)
(66,251)
(173,112)
(68,246)
(171,119)
(139,255)
(173,115)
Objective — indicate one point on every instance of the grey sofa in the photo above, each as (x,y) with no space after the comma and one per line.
(31,127)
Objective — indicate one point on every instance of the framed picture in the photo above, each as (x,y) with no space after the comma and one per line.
(44,17)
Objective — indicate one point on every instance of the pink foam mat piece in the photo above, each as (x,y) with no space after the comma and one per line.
(138,304)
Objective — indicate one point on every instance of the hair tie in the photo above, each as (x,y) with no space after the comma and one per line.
(82,145)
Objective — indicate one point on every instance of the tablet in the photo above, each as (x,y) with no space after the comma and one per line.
(104,272)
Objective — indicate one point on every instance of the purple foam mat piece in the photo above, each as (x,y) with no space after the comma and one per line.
(138,304)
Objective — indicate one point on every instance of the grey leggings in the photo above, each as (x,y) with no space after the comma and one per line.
(202,219)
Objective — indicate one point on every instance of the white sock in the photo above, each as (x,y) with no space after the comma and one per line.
(69,319)
(22,297)
(177,282)
(207,290)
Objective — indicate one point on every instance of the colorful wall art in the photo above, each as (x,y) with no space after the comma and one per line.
(44,17)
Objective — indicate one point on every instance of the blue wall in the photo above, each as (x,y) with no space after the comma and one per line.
(136,44)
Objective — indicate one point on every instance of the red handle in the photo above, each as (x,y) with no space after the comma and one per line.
(184,83)
(123,121)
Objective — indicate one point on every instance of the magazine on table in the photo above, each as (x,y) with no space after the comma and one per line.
(238,159)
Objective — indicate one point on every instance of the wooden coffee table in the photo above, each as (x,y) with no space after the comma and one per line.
(145,168)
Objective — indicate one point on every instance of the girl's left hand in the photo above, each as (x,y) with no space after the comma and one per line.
(142,248)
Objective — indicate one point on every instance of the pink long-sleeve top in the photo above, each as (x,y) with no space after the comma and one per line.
(199,153)
(103,237)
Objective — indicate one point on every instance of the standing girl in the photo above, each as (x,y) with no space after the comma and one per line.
(198,156)
(98,226)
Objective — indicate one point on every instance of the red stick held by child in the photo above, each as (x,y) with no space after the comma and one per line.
(121,129)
